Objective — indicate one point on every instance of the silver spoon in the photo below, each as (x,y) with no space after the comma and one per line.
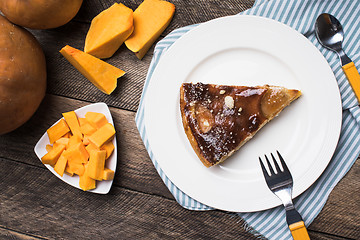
(330,34)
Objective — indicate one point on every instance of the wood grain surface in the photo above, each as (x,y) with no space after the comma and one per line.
(35,204)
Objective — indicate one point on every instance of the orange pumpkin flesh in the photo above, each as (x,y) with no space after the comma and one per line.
(40,14)
(22,75)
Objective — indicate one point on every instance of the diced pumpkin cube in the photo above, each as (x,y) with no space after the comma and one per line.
(52,156)
(109,30)
(57,131)
(73,123)
(61,165)
(96,165)
(87,129)
(67,135)
(103,75)
(68,170)
(108,147)
(86,140)
(76,168)
(82,121)
(102,135)
(48,147)
(77,154)
(97,120)
(74,140)
(108,174)
(91,147)
(63,141)
(87,183)
(150,19)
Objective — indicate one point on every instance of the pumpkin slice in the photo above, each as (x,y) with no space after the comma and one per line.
(150,19)
(103,75)
(109,30)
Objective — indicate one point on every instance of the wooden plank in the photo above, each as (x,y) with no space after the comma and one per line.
(187,12)
(38,204)
(341,215)
(65,80)
(13,235)
(324,236)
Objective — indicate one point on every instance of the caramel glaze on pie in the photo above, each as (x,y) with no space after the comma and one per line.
(219,119)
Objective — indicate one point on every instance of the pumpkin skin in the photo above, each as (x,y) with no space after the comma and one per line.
(22,75)
(40,14)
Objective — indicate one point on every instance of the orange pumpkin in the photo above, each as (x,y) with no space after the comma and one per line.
(22,75)
(40,14)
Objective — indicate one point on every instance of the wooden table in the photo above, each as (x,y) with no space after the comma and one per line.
(34,204)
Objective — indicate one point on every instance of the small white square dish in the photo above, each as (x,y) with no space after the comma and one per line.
(102,187)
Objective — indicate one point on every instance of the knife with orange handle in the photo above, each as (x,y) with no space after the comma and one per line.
(353,76)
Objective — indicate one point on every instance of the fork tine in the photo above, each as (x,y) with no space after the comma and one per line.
(283,163)
(270,167)
(276,164)
(263,169)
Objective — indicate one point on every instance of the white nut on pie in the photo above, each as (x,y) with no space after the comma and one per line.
(222,91)
(229,102)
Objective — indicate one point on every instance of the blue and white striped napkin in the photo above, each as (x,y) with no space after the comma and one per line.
(301,16)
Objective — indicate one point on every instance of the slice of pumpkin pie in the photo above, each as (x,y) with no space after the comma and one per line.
(219,119)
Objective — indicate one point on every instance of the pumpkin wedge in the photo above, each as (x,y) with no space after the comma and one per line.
(109,30)
(150,19)
(103,75)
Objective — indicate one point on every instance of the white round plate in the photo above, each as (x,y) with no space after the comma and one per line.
(102,187)
(248,51)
